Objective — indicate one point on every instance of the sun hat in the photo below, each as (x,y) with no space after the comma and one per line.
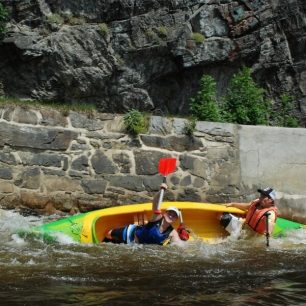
(173,208)
(269,192)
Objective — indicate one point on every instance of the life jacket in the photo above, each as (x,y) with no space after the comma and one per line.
(150,234)
(256,218)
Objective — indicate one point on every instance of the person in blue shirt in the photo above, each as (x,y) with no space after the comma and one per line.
(158,230)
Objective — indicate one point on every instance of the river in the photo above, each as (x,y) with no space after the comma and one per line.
(235,272)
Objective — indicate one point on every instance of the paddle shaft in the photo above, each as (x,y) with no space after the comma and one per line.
(267,214)
(181,217)
(161,194)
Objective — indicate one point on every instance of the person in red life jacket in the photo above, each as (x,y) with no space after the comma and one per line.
(158,230)
(257,212)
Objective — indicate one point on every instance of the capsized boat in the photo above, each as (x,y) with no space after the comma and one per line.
(200,218)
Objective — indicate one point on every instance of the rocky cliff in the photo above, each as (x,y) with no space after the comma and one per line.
(122,54)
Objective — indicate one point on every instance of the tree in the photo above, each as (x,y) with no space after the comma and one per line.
(244,101)
(283,115)
(204,106)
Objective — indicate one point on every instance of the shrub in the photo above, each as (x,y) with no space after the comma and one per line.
(3,18)
(190,126)
(135,122)
(103,29)
(56,18)
(163,31)
(245,102)
(198,37)
(204,106)
(152,36)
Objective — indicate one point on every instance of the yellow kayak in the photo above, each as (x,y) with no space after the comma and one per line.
(201,219)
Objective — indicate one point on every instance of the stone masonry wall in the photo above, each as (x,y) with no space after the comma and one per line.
(51,161)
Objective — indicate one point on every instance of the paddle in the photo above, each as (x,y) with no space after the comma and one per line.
(165,167)
(181,218)
(267,214)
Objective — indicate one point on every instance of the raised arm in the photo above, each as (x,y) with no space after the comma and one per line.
(155,203)
(242,206)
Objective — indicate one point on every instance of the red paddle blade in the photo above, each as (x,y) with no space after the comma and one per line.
(166,165)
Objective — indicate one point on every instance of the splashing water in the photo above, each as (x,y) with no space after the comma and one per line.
(232,272)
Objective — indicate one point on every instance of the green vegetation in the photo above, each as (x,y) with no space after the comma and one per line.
(56,18)
(162,31)
(104,30)
(204,106)
(245,102)
(198,37)
(135,122)
(157,35)
(190,126)
(151,35)
(282,116)
(66,18)
(64,108)
(3,18)
(72,20)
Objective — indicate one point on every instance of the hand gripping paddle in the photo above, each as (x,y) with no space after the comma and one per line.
(165,167)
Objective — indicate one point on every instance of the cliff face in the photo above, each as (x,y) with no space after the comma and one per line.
(123,54)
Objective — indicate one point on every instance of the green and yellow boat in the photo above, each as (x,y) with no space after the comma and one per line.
(200,218)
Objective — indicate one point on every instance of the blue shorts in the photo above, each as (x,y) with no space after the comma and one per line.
(124,234)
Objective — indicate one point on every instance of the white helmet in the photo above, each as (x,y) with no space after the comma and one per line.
(173,208)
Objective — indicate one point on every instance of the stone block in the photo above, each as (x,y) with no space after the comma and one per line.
(160,125)
(29,178)
(25,115)
(80,163)
(6,187)
(6,173)
(36,137)
(57,184)
(102,164)
(82,121)
(130,182)
(34,200)
(51,117)
(7,158)
(172,143)
(40,159)
(195,165)
(146,162)
(94,186)
(123,162)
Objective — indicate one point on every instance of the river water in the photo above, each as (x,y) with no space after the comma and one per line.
(234,272)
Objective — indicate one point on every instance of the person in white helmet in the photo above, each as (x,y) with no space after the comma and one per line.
(158,230)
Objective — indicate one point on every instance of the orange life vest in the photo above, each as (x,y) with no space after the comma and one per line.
(256,218)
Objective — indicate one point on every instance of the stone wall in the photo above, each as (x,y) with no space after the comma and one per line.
(77,161)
